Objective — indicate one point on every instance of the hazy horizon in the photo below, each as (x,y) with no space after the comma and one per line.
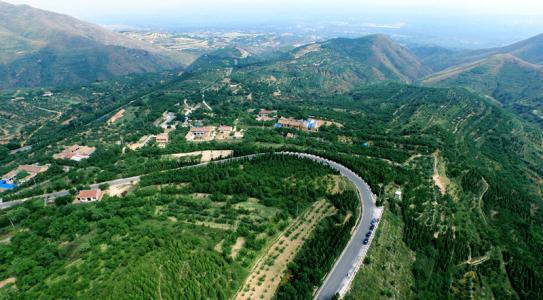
(448,23)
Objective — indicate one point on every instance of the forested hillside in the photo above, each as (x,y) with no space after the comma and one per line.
(336,66)
(467,222)
(172,237)
(438,59)
(40,48)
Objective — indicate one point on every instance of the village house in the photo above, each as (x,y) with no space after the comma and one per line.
(31,170)
(165,119)
(224,132)
(309,125)
(162,140)
(89,196)
(290,123)
(312,124)
(266,115)
(201,134)
(75,152)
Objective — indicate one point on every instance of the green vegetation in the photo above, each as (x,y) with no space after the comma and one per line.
(387,271)
(319,252)
(478,236)
(513,82)
(160,240)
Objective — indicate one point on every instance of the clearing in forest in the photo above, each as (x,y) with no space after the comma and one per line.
(266,275)
(7,281)
(440,179)
(237,246)
(207,155)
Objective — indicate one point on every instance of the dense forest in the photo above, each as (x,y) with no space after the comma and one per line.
(160,240)
(318,254)
(469,173)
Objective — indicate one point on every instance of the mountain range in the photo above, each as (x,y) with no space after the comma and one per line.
(505,77)
(40,48)
(438,59)
(512,75)
(338,65)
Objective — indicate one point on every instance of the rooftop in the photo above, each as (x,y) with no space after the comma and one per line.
(267,112)
(89,193)
(202,129)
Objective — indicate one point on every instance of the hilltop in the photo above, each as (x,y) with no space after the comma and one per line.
(340,64)
(503,76)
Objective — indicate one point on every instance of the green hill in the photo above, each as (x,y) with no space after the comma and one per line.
(438,59)
(502,76)
(338,65)
(44,48)
(223,58)
(515,83)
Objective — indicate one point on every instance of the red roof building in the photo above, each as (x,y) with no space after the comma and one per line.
(90,195)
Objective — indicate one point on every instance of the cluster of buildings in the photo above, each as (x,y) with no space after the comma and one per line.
(266,115)
(27,172)
(75,153)
(308,125)
(210,133)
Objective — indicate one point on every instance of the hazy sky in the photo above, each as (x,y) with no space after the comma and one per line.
(92,9)
(471,23)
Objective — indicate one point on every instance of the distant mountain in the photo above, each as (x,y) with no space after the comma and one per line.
(340,64)
(515,83)
(222,58)
(503,76)
(530,50)
(378,53)
(44,48)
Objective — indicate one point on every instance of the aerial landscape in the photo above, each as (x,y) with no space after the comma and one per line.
(271,150)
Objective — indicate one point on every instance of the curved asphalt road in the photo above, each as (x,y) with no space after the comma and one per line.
(344,268)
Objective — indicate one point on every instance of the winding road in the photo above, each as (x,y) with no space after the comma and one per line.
(342,274)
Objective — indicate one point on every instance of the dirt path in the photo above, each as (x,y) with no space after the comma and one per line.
(440,181)
(237,246)
(207,155)
(481,211)
(7,281)
(412,158)
(120,190)
(268,271)
(141,143)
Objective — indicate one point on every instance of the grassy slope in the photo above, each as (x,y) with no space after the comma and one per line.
(387,269)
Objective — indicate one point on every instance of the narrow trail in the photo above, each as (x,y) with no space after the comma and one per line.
(58,115)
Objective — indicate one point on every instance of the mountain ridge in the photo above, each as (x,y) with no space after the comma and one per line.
(31,39)
(504,77)
(529,50)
